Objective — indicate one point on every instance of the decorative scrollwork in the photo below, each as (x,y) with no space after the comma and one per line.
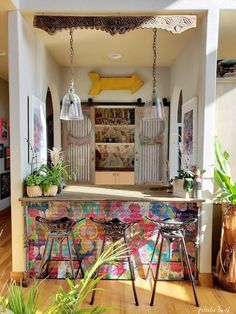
(173,23)
(115,24)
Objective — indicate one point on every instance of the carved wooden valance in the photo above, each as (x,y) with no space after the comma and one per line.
(115,24)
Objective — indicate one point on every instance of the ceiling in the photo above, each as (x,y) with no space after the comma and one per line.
(92,47)
(227,35)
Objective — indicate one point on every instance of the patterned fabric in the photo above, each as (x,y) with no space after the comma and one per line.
(89,235)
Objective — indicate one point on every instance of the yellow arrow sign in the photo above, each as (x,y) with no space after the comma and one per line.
(133,83)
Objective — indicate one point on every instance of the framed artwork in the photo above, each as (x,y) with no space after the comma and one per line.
(226,68)
(189,133)
(37,130)
(5,185)
(1,150)
(7,158)
(4,129)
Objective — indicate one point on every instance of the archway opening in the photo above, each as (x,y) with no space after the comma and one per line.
(49,118)
(179,121)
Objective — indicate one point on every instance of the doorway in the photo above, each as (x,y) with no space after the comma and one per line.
(49,119)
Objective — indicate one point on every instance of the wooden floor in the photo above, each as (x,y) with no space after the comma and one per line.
(171,297)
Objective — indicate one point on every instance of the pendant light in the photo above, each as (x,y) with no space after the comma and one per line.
(153,108)
(71,103)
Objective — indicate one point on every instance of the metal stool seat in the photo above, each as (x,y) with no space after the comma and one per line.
(172,230)
(115,229)
(58,231)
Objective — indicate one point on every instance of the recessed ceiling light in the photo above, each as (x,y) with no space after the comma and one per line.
(2,53)
(115,56)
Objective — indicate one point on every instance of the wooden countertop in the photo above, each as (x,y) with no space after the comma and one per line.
(109,193)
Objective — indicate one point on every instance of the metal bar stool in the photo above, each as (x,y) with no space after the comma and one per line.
(115,229)
(172,230)
(58,231)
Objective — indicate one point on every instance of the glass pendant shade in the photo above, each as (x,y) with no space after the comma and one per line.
(71,106)
(154,109)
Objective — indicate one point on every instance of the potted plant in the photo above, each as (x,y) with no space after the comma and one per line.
(33,184)
(57,167)
(54,173)
(183,184)
(50,181)
(226,193)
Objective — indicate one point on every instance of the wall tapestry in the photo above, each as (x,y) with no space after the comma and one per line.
(189,133)
(37,129)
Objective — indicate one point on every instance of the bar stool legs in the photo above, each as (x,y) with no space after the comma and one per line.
(77,255)
(97,272)
(46,258)
(190,272)
(157,274)
(130,268)
(183,251)
(153,253)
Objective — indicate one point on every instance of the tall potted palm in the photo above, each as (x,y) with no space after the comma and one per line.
(226,259)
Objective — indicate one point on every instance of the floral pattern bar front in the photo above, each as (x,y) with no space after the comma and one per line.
(89,235)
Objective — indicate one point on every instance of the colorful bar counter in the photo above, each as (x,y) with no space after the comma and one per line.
(128,204)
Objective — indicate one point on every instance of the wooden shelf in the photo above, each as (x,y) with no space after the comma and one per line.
(114,169)
(114,125)
(114,143)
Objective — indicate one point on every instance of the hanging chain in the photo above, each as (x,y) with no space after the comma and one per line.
(154,69)
(71,56)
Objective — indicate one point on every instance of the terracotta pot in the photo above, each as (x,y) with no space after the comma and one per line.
(52,191)
(226,259)
(34,191)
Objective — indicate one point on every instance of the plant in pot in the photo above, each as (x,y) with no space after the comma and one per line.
(183,184)
(226,194)
(33,184)
(58,167)
(50,181)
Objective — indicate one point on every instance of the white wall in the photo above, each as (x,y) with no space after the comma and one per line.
(186,74)
(31,71)
(4,113)
(195,73)
(83,83)
(225,118)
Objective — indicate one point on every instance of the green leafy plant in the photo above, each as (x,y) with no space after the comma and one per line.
(35,178)
(17,303)
(55,172)
(188,177)
(70,302)
(226,188)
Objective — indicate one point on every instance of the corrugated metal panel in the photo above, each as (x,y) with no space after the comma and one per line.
(149,155)
(79,155)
